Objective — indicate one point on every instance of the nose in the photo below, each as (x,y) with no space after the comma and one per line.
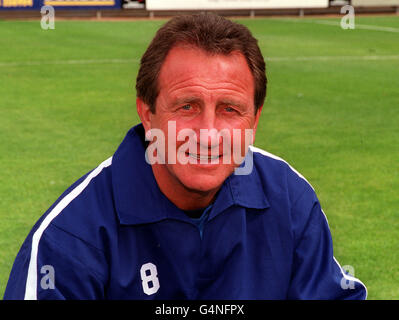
(206,129)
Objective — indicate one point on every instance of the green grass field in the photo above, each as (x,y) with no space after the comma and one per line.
(67,99)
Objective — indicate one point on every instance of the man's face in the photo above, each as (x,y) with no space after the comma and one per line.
(202,91)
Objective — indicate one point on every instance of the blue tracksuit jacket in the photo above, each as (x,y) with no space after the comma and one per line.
(114,235)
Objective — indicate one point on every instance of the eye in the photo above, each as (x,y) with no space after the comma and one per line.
(229,109)
(186,107)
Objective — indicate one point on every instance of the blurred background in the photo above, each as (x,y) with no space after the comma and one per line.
(67,99)
(152,8)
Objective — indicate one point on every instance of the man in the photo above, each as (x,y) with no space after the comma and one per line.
(169,215)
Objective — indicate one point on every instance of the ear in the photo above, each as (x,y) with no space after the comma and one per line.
(144,113)
(257,117)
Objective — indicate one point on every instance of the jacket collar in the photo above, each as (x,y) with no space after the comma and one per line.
(139,200)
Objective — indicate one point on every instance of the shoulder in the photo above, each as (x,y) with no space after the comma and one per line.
(71,231)
(83,209)
(290,194)
(278,176)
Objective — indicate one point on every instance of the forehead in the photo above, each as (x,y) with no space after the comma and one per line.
(191,68)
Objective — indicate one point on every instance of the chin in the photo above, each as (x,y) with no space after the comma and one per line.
(202,186)
(204,182)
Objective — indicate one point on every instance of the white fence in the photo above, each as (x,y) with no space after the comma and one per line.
(375,3)
(233,4)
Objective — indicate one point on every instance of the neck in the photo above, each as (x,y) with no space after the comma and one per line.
(181,196)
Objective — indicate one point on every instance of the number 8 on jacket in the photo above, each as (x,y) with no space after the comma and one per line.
(149,275)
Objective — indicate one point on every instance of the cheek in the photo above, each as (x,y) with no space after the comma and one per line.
(241,140)
(241,136)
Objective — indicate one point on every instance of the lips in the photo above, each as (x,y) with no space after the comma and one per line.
(203,157)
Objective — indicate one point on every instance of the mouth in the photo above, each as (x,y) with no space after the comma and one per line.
(203,157)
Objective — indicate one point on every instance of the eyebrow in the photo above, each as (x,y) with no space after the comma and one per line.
(194,99)
(190,99)
(232,102)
